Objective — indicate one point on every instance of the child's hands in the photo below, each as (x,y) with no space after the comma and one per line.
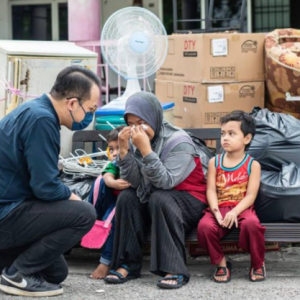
(121,184)
(230,219)
(219,217)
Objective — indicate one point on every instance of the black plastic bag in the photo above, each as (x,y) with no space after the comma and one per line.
(284,209)
(78,184)
(204,152)
(276,140)
(281,184)
(279,196)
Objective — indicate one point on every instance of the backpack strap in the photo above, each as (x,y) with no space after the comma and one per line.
(173,141)
(96,189)
(110,217)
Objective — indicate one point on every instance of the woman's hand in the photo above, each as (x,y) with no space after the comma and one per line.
(141,140)
(230,219)
(123,140)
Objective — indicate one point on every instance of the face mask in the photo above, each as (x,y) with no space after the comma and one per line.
(88,118)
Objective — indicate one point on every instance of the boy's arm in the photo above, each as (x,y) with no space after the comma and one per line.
(109,179)
(248,200)
(112,182)
(211,192)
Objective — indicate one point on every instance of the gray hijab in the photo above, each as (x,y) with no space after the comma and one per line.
(147,107)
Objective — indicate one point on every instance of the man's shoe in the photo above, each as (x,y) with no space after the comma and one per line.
(28,285)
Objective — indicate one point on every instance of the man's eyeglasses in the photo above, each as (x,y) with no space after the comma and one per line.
(92,109)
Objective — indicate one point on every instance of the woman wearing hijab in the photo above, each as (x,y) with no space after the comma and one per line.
(167,194)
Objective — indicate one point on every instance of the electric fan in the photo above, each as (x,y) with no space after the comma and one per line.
(134,44)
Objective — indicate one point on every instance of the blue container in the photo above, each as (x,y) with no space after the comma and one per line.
(108,112)
(115,116)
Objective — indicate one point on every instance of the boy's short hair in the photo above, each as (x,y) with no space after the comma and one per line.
(113,135)
(247,122)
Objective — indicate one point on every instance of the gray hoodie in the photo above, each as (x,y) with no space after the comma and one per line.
(172,159)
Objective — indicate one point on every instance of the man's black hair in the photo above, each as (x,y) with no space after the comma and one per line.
(247,122)
(113,135)
(74,81)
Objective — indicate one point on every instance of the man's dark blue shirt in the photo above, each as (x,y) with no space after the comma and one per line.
(29,151)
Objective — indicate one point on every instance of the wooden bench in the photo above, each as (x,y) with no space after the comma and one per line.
(275,232)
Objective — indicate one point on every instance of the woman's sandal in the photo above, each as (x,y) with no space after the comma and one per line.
(181,280)
(120,278)
(223,271)
(258,272)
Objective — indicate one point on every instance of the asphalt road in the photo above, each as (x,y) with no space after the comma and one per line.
(283,282)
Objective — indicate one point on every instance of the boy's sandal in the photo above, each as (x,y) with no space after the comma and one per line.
(120,278)
(261,272)
(223,271)
(181,280)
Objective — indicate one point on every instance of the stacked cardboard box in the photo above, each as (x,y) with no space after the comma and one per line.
(209,75)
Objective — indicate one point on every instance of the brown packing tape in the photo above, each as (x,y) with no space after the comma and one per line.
(234,87)
(235,37)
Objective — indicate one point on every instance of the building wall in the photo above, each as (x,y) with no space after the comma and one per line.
(108,7)
(81,27)
(4,21)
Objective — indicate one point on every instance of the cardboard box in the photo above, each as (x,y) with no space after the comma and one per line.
(202,105)
(214,57)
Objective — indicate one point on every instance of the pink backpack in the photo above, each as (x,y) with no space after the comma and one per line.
(98,235)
